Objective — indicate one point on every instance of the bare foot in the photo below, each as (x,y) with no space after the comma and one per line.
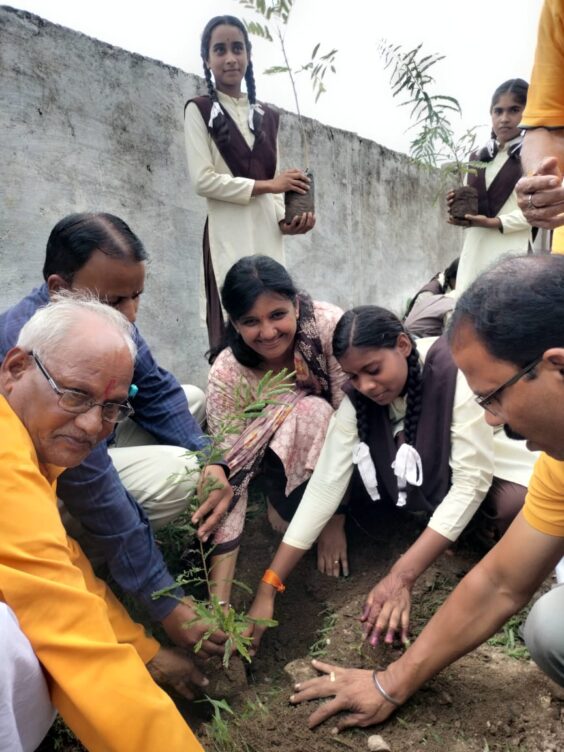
(332,547)
(276,522)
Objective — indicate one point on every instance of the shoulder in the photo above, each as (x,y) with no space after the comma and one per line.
(544,504)
(226,367)
(326,312)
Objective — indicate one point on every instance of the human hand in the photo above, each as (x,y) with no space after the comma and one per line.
(353,690)
(450,198)
(217,502)
(262,608)
(387,609)
(332,548)
(541,196)
(185,631)
(476,220)
(301,224)
(290,180)
(171,667)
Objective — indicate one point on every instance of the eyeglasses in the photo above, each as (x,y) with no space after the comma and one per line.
(488,402)
(77,402)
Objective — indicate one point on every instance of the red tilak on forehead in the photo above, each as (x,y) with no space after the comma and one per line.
(109,387)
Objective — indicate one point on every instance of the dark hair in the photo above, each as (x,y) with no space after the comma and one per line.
(248,278)
(515,86)
(219,126)
(451,271)
(516,308)
(74,239)
(372,326)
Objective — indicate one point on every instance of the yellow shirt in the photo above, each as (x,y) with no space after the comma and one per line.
(92,652)
(545,100)
(544,505)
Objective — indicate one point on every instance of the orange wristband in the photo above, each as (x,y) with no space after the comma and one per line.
(271,578)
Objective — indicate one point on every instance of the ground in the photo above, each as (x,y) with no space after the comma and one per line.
(489,701)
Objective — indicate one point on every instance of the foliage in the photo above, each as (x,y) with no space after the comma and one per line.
(319,648)
(434,143)
(509,639)
(222,736)
(213,613)
(274,16)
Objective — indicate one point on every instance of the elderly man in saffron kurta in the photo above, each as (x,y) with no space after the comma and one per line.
(62,389)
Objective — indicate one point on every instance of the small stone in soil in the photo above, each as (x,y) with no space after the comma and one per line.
(300,670)
(376,743)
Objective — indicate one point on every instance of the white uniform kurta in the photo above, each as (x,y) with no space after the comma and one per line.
(239,224)
(482,245)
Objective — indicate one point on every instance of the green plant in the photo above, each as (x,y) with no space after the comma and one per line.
(319,648)
(434,143)
(508,638)
(214,614)
(275,15)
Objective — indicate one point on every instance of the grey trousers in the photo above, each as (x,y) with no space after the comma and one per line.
(544,634)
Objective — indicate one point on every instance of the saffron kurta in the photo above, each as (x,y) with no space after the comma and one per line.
(92,652)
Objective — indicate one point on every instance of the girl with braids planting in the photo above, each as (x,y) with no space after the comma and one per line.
(419,440)
(231,145)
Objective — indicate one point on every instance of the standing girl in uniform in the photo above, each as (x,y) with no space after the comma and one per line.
(500,226)
(231,145)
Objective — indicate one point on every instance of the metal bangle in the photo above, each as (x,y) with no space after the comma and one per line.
(383,692)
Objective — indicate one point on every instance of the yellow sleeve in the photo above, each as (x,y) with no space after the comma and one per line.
(97,681)
(545,101)
(544,503)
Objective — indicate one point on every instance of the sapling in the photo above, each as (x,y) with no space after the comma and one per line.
(249,405)
(434,143)
(275,15)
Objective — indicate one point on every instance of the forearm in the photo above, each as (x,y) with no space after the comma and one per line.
(262,186)
(426,549)
(285,561)
(222,573)
(540,143)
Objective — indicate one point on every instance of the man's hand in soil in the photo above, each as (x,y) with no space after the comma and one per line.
(387,609)
(332,548)
(178,627)
(262,608)
(171,667)
(301,224)
(215,506)
(353,689)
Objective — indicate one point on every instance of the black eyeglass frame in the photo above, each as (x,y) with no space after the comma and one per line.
(121,410)
(485,402)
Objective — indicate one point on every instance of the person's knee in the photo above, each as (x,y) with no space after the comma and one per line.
(544,635)
(196,401)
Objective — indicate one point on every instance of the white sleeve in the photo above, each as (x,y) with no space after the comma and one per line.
(471,463)
(329,481)
(206,180)
(279,205)
(513,221)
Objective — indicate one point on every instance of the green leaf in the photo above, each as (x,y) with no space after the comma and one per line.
(276,69)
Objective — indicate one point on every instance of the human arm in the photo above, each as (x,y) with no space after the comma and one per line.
(497,587)
(321,500)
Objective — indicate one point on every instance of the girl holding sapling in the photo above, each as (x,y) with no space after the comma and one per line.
(232,150)
(420,442)
(272,326)
(499,227)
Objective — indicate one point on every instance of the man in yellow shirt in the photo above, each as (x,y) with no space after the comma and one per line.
(507,337)
(62,389)
(540,193)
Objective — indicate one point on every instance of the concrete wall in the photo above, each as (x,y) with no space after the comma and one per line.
(87,126)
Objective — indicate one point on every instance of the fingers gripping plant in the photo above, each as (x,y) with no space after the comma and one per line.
(434,143)
(273,26)
(213,613)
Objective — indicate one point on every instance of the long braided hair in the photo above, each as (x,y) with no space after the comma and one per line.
(375,327)
(219,127)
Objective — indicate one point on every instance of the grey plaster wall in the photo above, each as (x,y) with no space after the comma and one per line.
(87,126)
